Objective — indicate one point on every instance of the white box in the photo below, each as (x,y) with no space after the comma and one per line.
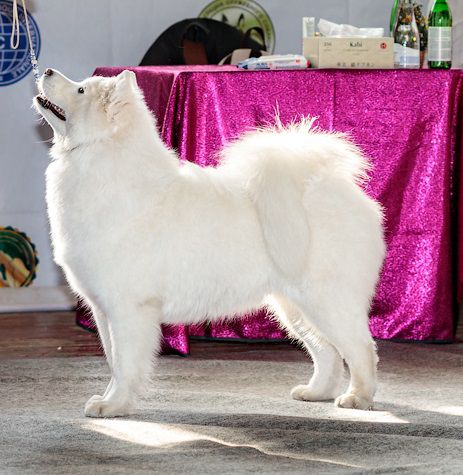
(349,53)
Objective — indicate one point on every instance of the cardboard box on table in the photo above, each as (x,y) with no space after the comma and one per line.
(349,53)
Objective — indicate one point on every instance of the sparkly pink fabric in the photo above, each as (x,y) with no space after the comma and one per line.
(406,121)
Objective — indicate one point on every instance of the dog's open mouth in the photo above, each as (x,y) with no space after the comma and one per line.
(46,104)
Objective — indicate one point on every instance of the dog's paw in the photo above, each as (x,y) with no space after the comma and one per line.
(94,398)
(97,406)
(352,401)
(304,392)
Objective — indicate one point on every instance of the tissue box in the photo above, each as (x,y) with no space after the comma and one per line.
(349,53)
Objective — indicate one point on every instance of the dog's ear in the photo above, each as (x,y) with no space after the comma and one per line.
(119,95)
(125,84)
(127,79)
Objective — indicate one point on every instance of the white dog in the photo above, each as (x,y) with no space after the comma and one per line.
(146,239)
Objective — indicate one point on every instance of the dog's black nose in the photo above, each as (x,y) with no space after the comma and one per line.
(48,72)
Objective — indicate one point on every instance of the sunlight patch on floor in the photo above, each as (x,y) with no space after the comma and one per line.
(384,417)
(161,435)
(144,433)
(451,410)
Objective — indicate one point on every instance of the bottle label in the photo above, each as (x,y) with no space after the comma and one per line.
(406,57)
(440,43)
(404,28)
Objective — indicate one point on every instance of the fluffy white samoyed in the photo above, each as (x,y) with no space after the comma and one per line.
(146,239)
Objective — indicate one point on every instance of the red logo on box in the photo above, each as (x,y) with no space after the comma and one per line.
(383,45)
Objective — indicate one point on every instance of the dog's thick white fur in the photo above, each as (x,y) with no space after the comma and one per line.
(146,239)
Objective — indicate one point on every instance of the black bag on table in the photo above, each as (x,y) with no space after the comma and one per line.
(200,41)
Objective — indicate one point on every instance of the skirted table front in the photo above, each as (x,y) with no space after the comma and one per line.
(408,122)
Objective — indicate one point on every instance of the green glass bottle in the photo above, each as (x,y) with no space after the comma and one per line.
(440,36)
(393,18)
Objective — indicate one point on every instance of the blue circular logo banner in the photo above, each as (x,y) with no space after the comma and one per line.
(15,63)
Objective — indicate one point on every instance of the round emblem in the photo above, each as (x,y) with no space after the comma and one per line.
(18,258)
(245,15)
(15,63)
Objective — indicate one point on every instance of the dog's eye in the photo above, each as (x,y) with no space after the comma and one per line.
(80,90)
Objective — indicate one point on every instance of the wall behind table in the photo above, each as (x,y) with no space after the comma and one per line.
(79,36)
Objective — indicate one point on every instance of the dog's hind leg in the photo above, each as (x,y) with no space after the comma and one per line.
(327,379)
(345,324)
(135,340)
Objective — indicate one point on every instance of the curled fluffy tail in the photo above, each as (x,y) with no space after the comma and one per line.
(300,146)
(277,165)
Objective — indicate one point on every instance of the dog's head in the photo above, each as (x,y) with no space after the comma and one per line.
(94,109)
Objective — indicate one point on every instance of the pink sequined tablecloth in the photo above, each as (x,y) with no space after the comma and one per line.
(408,122)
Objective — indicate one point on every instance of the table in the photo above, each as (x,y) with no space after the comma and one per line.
(408,122)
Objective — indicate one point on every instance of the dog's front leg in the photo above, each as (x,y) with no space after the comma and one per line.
(135,339)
